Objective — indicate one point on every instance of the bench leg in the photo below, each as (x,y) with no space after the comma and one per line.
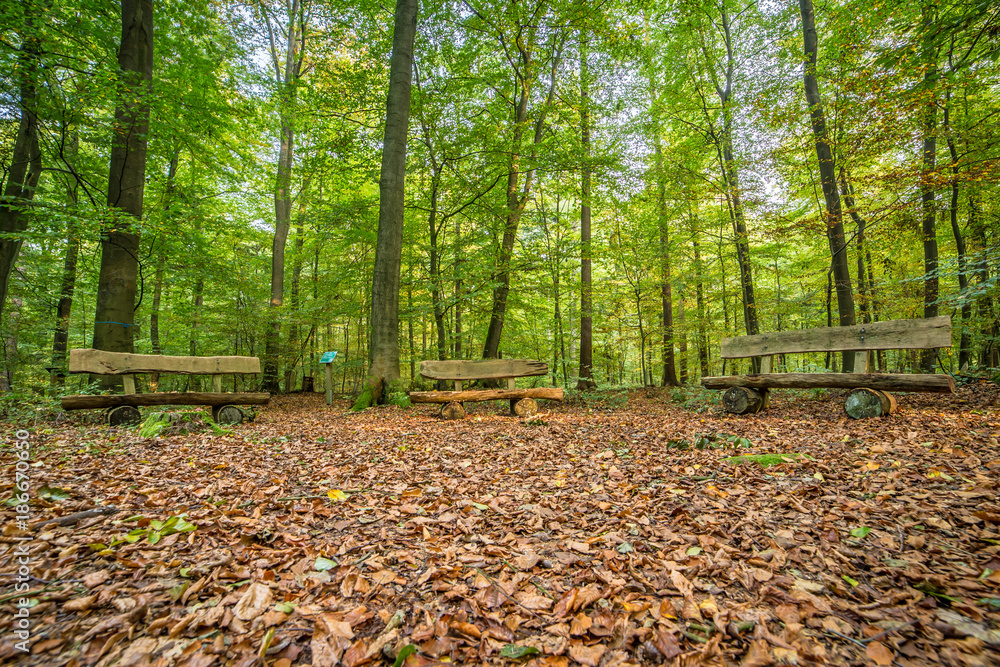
(744,400)
(452,410)
(524,407)
(227,414)
(123,415)
(862,403)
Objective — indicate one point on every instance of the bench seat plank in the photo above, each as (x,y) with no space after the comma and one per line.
(100,362)
(472,395)
(927,333)
(940,384)
(482,369)
(87,401)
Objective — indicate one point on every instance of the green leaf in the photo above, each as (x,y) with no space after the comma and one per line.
(184,571)
(324,564)
(694,551)
(177,591)
(853,582)
(97,546)
(137,517)
(403,654)
(861,532)
(285,607)
(480,506)
(154,536)
(513,651)
(625,548)
(53,493)
(993,603)
(896,562)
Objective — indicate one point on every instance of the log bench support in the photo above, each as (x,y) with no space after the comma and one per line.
(748,394)
(123,408)
(522,401)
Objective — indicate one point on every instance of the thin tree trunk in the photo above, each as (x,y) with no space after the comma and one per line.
(517,193)
(586,373)
(927,190)
(965,342)
(25,161)
(383,351)
(60,340)
(117,281)
(286,75)
(828,179)
(703,353)
(682,339)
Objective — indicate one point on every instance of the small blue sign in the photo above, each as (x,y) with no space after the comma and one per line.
(328,357)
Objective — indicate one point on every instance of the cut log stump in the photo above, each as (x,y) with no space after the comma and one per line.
(123,415)
(524,407)
(745,401)
(863,403)
(227,414)
(453,410)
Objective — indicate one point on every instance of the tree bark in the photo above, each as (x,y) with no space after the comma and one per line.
(383,349)
(117,282)
(828,180)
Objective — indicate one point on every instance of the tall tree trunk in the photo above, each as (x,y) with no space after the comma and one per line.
(927,188)
(730,176)
(703,354)
(25,161)
(286,77)
(517,194)
(862,225)
(161,263)
(828,179)
(60,339)
(963,269)
(666,298)
(383,349)
(458,289)
(116,283)
(586,379)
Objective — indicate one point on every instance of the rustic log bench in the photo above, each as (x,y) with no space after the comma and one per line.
(870,398)
(123,408)
(522,401)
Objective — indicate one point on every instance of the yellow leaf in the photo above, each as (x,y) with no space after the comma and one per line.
(336,494)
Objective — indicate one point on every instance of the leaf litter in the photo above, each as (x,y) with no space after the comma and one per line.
(578,537)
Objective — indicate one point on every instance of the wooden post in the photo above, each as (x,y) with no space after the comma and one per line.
(327,360)
(511,384)
(861,361)
(129,383)
(217,384)
(743,400)
(767,364)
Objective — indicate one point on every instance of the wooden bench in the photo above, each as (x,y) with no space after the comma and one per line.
(123,408)
(521,400)
(870,398)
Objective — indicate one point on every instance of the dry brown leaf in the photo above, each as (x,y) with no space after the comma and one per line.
(586,655)
(878,652)
(254,602)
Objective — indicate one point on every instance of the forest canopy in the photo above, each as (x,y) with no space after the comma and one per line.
(608,187)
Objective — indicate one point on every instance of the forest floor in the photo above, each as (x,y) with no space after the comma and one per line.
(611,531)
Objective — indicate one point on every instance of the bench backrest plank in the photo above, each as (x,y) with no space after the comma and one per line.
(889,335)
(482,369)
(100,362)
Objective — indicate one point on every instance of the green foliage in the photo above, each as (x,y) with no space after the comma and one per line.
(151,530)
(766,460)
